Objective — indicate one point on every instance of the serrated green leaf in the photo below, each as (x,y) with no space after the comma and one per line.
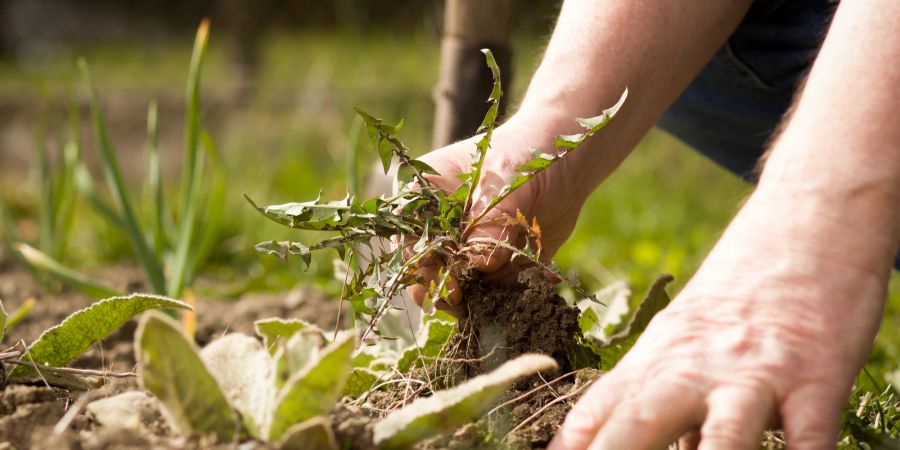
(448,409)
(276,329)
(358,301)
(435,335)
(385,153)
(565,144)
(314,391)
(473,177)
(244,372)
(381,138)
(172,370)
(407,170)
(64,342)
(315,433)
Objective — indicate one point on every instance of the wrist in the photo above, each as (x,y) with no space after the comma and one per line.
(849,198)
(815,231)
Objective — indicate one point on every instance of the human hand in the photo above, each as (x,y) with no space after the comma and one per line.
(549,197)
(770,332)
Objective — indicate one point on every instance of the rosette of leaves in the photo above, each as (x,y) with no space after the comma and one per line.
(280,390)
(430,222)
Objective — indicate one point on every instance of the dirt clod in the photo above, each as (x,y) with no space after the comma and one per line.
(503,322)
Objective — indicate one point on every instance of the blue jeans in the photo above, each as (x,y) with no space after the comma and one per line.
(730,111)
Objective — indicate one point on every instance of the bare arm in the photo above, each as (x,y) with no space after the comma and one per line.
(778,321)
(839,154)
(655,48)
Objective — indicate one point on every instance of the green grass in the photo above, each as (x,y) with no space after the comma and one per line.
(661,212)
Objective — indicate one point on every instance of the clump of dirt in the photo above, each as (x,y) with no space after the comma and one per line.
(502,322)
(26,410)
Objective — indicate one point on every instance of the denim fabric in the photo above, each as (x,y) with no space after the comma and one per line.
(730,111)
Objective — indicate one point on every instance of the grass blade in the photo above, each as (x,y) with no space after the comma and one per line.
(119,191)
(353,158)
(44,263)
(192,164)
(45,191)
(84,182)
(65,195)
(17,316)
(65,198)
(214,209)
(154,178)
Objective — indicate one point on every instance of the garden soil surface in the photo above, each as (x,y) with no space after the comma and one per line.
(38,416)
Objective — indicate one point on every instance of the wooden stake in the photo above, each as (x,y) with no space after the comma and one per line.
(465,81)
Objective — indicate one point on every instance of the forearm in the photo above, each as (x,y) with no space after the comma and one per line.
(838,160)
(598,48)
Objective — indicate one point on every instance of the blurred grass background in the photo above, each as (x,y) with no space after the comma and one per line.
(290,138)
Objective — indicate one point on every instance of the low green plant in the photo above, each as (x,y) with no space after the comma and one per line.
(164,240)
(64,342)
(55,193)
(282,389)
(432,223)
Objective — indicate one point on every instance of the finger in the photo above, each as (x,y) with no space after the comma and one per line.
(454,310)
(652,419)
(587,416)
(811,416)
(689,441)
(736,418)
(428,273)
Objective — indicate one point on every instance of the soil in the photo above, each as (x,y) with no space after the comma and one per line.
(502,322)
(28,413)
